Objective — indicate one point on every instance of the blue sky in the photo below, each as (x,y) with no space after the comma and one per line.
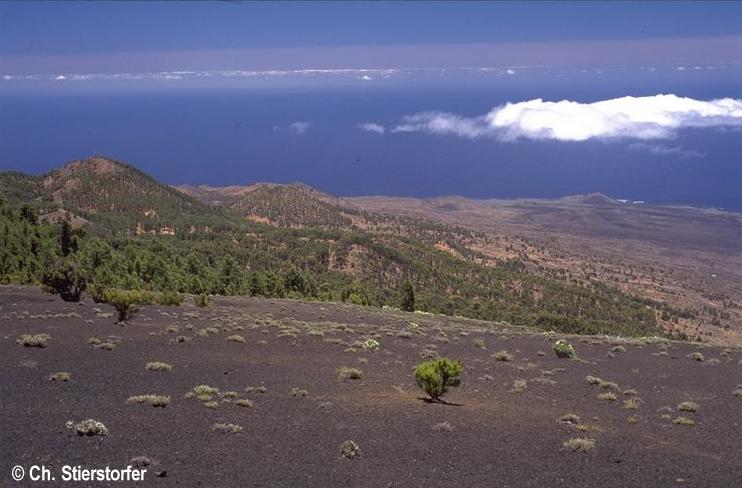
(484,99)
(150,36)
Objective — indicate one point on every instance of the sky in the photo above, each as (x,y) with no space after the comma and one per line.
(641,100)
(93,37)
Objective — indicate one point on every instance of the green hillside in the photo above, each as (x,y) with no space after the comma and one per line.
(309,248)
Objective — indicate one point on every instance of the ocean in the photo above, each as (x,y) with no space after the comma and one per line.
(308,130)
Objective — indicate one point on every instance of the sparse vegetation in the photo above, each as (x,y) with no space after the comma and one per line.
(633,403)
(158,366)
(226,428)
(236,338)
(297,392)
(696,356)
(244,402)
(89,427)
(350,374)
(349,450)
(34,340)
(579,444)
(684,421)
(608,396)
(202,300)
(152,400)
(563,349)
(503,356)
(569,418)
(442,427)
(687,406)
(62,376)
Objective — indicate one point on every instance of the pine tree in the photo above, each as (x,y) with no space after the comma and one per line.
(408,297)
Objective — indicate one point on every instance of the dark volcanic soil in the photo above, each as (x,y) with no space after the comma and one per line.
(498,437)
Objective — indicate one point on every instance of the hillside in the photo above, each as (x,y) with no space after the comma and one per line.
(294,241)
(295,205)
(117,196)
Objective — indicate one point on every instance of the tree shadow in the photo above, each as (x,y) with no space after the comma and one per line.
(439,402)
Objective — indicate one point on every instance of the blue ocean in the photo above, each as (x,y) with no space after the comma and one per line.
(287,131)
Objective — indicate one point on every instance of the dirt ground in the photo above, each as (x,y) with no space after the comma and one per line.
(495,436)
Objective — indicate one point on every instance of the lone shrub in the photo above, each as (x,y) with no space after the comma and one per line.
(62,376)
(349,450)
(158,366)
(153,400)
(579,444)
(89,427)
(435,377)
(125,301)
(350,373)
(34,340)
(564,350)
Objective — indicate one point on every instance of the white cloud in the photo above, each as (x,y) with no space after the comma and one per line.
(372,127)
(661,150)
(651,117)
(510,72)
(299,127)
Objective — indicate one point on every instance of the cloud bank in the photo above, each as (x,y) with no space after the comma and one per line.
(644,118)
(299,127)
(660,150)
(372,127)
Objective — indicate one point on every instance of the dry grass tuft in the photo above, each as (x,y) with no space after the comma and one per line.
(687,407)
(579,444)
(158,366)
(226,428)
(350,373)
(349,450)
(63,376)
(608,396)
(34,340)
(503,356)
(153,400)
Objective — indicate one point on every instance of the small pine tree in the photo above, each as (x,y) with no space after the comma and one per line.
(435,377)
(65,238)
(408,297)
(65,278)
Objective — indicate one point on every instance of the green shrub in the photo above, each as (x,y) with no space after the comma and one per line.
(125,301)
(564,350)
(170,298)
(66,279)
(203,300)
(435,377)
